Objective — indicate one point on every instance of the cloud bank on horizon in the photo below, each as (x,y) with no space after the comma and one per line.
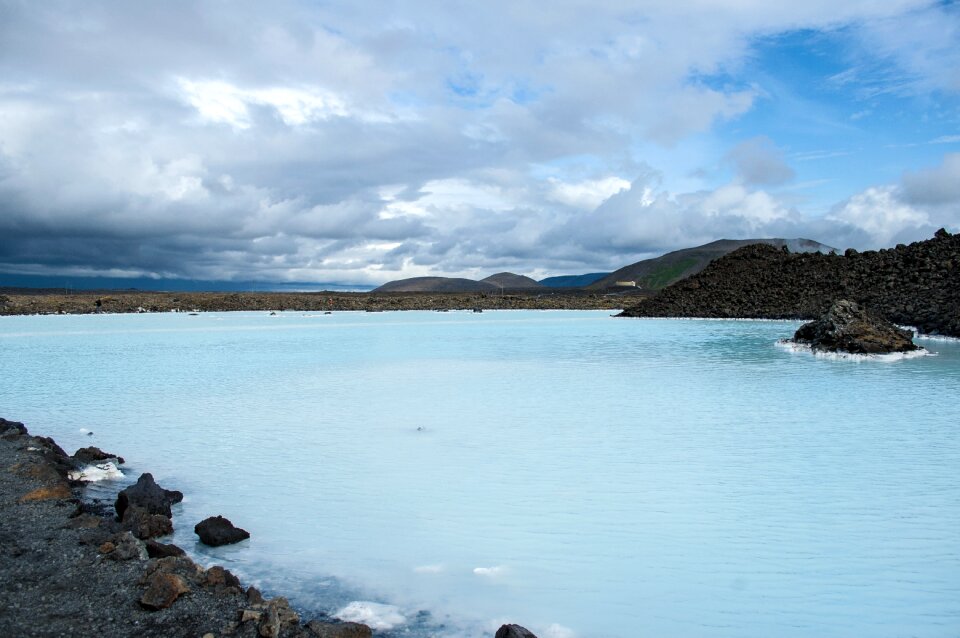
(368,141)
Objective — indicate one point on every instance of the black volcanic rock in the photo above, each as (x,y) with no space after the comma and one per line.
(217,530)
(92,454)
(514,631)
(846,327)
(147,495)
(916,285)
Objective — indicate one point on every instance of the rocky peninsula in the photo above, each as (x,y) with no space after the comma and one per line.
(73,568)
(916,285)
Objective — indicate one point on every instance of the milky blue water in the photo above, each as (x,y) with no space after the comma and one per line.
(574,473)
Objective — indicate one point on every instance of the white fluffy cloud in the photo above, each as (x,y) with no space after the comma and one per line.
(364,142)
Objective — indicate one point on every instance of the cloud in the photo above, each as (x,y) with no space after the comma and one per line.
(940,185)
(759,162)
(360,143)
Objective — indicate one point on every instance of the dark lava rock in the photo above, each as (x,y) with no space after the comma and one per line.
(339,629)
(90,455)
(514,631)
(915,284)
(145,493)
(162,550)
(12,428)
(846,327)
(217,530)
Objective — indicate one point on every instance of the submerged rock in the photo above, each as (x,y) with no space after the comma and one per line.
(514,631)
(217,530)
(846,327)
(145,493)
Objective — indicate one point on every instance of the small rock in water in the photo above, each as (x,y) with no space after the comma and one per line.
(217,530)
(846,327)
(514,631)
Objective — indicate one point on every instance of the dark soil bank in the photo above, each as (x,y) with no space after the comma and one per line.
(69,569)
(916,285)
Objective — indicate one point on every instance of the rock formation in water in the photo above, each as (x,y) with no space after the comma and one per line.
(916,285)
(513,631)
(217,530)
(846,327)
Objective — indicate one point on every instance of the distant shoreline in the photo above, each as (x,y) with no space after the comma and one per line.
(47,301)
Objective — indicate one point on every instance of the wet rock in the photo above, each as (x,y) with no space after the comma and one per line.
(162,550)
(145,493)
(163,591)
(91,455)
(339,629)
(217,530)
(514,631)
(144,525)
(847,327)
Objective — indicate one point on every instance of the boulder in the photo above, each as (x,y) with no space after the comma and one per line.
(10,429)
(162,550)
(217,530)
(163,591)
(145,493)
(123,547)
(514,631)
(92,455)
(847,327)
(142,524)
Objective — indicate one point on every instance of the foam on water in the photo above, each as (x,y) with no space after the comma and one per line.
(98,472)
(890,357)
(377,616)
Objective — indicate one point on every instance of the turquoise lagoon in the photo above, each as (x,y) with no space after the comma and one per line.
(437,474)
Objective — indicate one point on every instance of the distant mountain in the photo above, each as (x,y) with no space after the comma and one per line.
(657,273)
(437,284)
(510,281)
(572,281)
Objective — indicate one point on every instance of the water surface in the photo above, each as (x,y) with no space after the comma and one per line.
(577,474)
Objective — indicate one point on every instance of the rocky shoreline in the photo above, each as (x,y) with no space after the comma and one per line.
(69,568)
(32,302)
(916,285)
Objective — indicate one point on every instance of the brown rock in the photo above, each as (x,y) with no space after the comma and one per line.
(163,591)
(162,550)
(57,492)
(106,548)
(142,524)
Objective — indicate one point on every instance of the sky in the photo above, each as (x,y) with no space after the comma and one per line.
(361,142)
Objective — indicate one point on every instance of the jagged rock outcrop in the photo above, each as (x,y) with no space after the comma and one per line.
(846,327)
(217,530)
(916,285)
(514,631)
(147,495)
